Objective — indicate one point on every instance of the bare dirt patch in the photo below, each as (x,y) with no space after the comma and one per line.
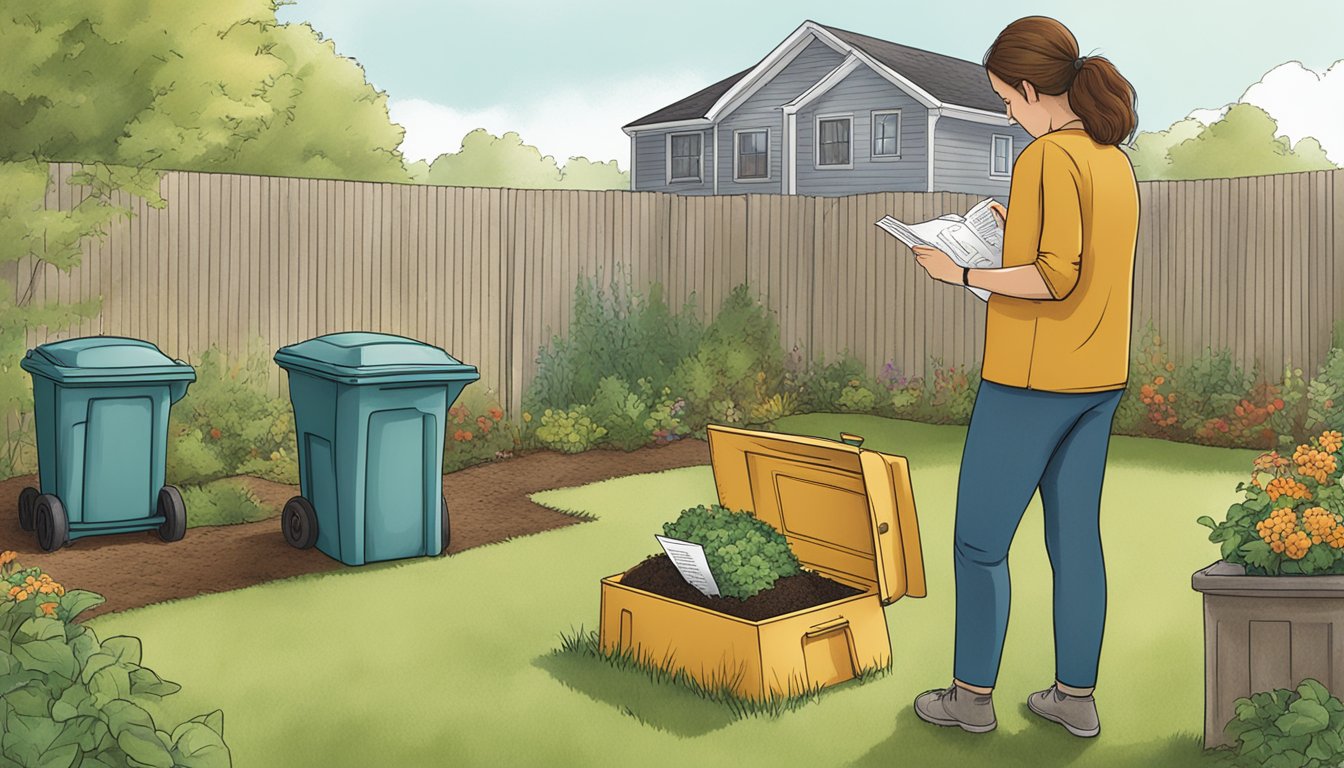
(487,504)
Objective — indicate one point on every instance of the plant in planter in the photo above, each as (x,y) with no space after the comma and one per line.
(1292,522)
(1274,605)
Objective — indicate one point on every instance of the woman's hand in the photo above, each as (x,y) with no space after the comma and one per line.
(1000,213)
(939,265)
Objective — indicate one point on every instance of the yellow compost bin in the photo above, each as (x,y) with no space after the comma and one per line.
(848,514)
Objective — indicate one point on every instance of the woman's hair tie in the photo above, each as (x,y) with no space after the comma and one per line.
(1078,63)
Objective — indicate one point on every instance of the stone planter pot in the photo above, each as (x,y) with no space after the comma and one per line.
(1266,632)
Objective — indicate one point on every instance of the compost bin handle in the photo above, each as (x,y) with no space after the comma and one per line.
(826,627)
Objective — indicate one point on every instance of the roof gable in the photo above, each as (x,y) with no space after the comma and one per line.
(945,80)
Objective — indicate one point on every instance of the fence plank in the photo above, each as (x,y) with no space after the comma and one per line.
(490,274)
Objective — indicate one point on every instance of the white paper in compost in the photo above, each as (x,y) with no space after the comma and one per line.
(689,558)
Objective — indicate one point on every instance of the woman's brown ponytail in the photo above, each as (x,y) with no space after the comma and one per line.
(1043,52)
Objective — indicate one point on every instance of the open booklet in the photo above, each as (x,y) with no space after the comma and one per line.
(974,240)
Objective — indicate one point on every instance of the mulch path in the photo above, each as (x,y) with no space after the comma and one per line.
(487,504)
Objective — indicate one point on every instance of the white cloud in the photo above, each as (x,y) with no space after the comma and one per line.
(1303,102)
(568,123)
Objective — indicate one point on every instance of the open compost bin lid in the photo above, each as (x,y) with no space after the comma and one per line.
(844,510)
(104,360)
(357,358)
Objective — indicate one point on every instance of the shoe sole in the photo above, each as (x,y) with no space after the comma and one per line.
(957,723)
(1086,734)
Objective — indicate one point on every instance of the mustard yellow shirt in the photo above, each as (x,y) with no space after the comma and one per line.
(1074,214)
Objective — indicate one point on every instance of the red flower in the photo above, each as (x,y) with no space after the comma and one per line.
(215,433)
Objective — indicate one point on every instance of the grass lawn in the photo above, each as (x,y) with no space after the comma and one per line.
(453,661)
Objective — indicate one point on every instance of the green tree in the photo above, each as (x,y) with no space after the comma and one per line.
(1242,143)
(187,86)
(582,173)
(486,160)
(495,161)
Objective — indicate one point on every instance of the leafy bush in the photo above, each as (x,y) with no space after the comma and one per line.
(1325,394)
(1289,729)
(953,392)
(843,384)
(1294,522)
(71,699)
(230,415)
(477,431)
(621,413)
(571,431)
(223,502)
(618,334)
(745,555)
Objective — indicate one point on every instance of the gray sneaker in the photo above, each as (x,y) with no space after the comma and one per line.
(955,705)
(1078,714)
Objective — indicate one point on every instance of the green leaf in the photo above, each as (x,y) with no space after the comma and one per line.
(42,628)
(126,649)
(142,745)
(83,642)
(1319,749)
(1312,690)
(95,664)
(85,732)
(1257,553)
(145,682)
(1207,522)
(34,735)
(51,657)
(213,720)
(77,601)
(32,700)
(67,707)
(121,714)
(196,745)
(1303,717)
(58,757)
(109,684)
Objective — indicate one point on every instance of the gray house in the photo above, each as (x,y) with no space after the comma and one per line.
(830,112)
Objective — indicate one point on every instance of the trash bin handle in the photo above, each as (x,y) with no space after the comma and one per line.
(826,627)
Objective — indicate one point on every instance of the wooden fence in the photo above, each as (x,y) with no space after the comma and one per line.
(1252,264)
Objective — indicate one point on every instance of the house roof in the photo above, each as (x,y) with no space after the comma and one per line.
(948,79)
(694,106)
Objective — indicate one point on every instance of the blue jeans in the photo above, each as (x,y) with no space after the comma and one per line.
(1020,440)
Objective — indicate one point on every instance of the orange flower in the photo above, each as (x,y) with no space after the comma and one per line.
(215,433)
(1160,380)
(496,414)
(49,609)
(8,556)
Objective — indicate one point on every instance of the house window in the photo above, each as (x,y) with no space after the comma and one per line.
(753,155)
(887,133)
(834,149)
(1001,155)
(685,156)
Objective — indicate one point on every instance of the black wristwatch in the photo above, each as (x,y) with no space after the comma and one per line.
(966,276)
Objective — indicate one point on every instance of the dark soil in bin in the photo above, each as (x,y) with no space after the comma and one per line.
(799,592)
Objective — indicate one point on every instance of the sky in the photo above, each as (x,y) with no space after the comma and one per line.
(568,75)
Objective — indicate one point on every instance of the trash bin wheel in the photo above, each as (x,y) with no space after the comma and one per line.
(447,532)
(299,522)
(27,507)
(174,511)
(53,528)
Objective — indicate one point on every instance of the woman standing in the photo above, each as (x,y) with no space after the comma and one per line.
(1056,362)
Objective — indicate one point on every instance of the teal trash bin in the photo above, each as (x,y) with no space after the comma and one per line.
(369,411)
(101,408)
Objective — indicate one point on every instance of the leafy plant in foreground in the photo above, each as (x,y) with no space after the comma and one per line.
(1289,729)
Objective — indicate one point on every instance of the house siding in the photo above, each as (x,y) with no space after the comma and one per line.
(651,163)
(860,94)
(961,155)
(762,110)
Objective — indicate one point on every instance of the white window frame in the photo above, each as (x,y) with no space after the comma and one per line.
(816,142)
(737,155)
(872,134)
(1008,160)
(700,173)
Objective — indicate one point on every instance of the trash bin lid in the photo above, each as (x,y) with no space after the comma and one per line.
(843,510)
(375,357)
(106,360)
